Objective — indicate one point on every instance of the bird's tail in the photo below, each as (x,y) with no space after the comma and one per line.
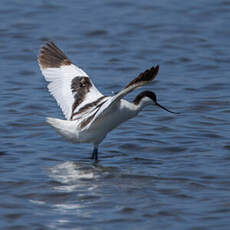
(64,127)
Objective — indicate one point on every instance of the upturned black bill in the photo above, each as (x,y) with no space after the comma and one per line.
(165,108)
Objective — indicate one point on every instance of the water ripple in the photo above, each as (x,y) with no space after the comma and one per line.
(158,170)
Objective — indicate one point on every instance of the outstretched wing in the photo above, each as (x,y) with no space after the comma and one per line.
(70,85)
(142,79)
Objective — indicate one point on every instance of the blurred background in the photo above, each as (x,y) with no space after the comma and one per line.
(156,171)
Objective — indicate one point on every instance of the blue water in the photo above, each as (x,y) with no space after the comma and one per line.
(156,171)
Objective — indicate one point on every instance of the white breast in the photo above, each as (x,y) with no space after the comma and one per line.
(120,112)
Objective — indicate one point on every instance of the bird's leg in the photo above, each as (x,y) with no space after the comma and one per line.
(94,154)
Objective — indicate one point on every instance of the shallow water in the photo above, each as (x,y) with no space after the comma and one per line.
(156,171)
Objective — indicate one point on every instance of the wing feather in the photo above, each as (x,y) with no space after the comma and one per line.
(141,80)
(69,85)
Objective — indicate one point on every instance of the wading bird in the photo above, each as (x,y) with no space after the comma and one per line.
(89,114)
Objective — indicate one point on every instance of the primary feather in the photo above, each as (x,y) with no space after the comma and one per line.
(70,85)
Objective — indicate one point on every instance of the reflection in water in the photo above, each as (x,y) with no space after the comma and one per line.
(73,176)
(70,172)
(73,185)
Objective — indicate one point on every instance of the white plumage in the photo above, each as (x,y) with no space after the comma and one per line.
(90,115)
(60,86)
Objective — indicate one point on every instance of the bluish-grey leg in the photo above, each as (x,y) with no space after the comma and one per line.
(94,154)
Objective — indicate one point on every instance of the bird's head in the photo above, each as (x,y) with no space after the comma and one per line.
(148,98)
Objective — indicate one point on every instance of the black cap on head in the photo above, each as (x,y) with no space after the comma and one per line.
(152,96)
(143,94)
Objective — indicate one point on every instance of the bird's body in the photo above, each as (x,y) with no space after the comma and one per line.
(89,114)
(72,131)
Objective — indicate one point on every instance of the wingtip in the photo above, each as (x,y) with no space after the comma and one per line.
(50,56)
(149,74)
(156,69)
(145,77)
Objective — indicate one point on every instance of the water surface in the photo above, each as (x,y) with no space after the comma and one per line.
(156,171)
